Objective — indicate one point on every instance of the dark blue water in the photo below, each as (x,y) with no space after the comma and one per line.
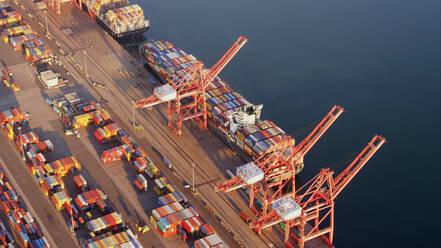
(379,59)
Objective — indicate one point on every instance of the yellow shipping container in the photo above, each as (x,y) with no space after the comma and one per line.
(48,168)
(15,87)
(83,120)
(9,132)
(153,220)
(169,188)
(130,9)
(240,135)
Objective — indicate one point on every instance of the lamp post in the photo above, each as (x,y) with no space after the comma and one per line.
(192,166)
(21,144)
(45,18)
(133,112)
(85,63)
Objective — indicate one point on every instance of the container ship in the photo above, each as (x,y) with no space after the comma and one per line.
(120,19)
(231,117)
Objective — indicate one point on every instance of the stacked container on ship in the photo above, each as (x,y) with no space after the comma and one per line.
(234,119)
(121,19)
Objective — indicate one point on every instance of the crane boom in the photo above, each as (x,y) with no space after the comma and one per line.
(220,65)
(191,83)
(273,162)
(345,177)
(303,147)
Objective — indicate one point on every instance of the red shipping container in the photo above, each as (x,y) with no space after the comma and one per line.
(192,225)
(19,114)
(6,206)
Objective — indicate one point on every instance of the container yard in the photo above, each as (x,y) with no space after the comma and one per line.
(24,227)
(122,20)
(79,114)
(6,238)
(51,176)
(102,181)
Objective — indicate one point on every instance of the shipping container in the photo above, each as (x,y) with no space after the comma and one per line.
(87,199)
(209,241)
(109,222)
(192,225)
(81,183)
(59,200)
(172,197)
(141,183)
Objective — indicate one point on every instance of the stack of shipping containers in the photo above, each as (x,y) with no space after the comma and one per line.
(81,183)
(119,16)
(88,200)
(121,239)
(8,16)
(13,117)
(167,59)
(20,35)
(110,222)
(20,220)
(125,19)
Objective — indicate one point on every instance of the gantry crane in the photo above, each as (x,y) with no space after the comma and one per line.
(312,207)
(192,83)
(78,4)
(277,166)
(55,4)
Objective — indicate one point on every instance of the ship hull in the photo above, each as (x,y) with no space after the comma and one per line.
(123,37)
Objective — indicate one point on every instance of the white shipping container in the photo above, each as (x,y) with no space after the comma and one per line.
(213,239)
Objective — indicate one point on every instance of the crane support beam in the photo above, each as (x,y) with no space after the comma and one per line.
(231,184)
(317,234)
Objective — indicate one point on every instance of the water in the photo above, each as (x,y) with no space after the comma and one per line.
(379,59)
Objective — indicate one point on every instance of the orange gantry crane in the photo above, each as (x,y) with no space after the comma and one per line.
(54,4)
(185,93)
(78,4)
(312,207)
(277,166)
